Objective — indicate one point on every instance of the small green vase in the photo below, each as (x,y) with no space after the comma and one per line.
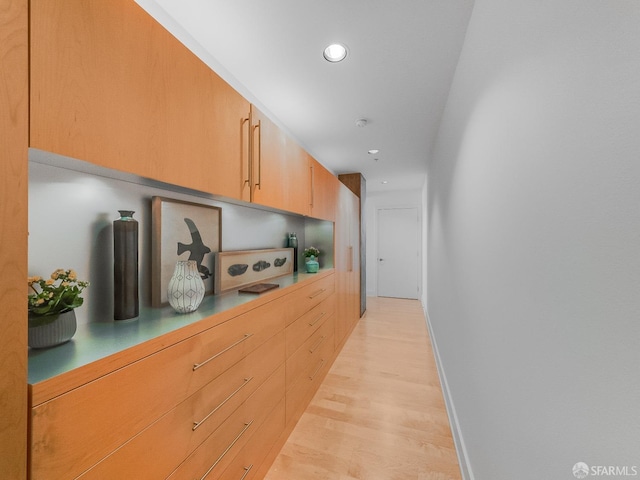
(312,265)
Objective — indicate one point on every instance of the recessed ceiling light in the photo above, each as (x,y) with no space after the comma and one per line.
(384,182)
(335,52)
(373,151)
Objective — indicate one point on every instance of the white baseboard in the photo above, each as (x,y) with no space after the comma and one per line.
(463,458)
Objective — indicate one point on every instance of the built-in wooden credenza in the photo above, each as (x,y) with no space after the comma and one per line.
(213,404)
(217,397)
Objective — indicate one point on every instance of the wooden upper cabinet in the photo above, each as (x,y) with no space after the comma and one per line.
(324,190)
(280,169)
(109,85)
(268,161)
(298,186)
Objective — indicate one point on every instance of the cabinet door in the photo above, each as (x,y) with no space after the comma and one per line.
(268,161)
(110,86)
(347,263)
(324,189)
(280,169)
(298,186)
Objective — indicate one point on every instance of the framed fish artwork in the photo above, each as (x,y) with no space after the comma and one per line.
(182,231)
(240,268)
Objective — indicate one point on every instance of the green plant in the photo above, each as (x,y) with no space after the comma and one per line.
(311,251)
(58,294)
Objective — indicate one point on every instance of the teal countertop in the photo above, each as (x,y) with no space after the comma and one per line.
(94,341)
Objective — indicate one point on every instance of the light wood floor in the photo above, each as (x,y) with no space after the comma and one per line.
(379,414)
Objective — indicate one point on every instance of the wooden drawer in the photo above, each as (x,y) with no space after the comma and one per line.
(246,463)
(159,449)
(216,453)
(72,432)
(304,388)
(309,296)
(305,359)
(298,331)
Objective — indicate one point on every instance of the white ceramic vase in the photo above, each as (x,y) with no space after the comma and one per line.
(186,288)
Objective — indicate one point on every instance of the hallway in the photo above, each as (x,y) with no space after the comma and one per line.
(379,414)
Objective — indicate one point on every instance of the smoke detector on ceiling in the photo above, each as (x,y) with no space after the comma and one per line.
(361,122)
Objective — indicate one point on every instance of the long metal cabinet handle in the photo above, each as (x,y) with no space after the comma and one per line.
(318,292)
(246,471)
(231,395)
(312,179)
(317,319)
(350,259)
(259,128)
(202,364)
(317,344)
(245,120)
(317,369)
(233,442)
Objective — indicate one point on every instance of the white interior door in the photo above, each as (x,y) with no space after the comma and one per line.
(398,252)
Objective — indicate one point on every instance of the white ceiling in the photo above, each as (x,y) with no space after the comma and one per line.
(402,56)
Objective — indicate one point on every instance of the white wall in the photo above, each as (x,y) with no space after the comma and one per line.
(425,235)
(376,201)
(534,238)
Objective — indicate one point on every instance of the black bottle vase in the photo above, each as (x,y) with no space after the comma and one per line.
(125,266)
(293,243)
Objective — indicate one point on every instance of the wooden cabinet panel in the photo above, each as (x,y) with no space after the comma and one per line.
(304,360)
(324,189)
(159,449)
(14,125)
(280,175)
(302,391)
(246,464)
(347,263)
(63,431)
(358,185)
(298,331)
(110,86)
(268,161)
(309,296)
(215,454)
(298,186)
(111,404)
(225,344)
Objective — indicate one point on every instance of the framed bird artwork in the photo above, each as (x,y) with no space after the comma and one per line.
(182,231)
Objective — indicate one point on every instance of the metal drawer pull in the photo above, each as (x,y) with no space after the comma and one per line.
(246,427)
(246,471)
(317,370)
(317,319)
(318,343)
(315,294)
(197,424)
(198,365)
